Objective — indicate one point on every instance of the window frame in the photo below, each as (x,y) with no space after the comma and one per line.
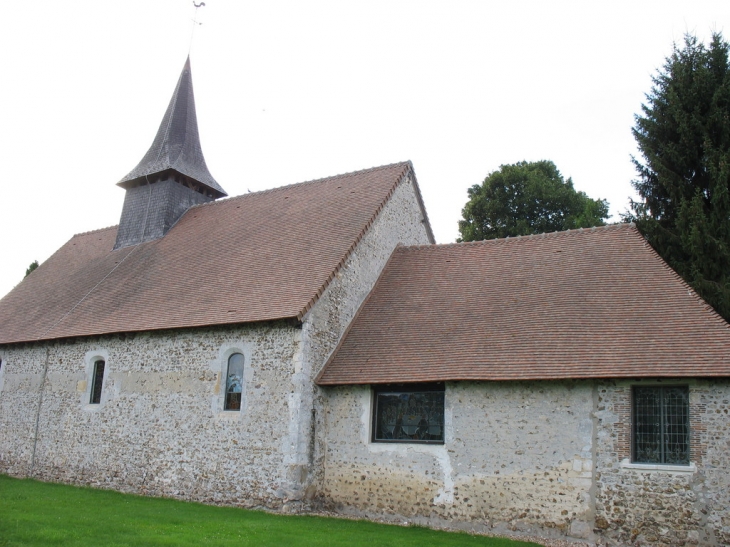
(664,434)
(403,389)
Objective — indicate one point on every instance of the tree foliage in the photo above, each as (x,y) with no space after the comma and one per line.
(29,269)
(683,134)
(527,198)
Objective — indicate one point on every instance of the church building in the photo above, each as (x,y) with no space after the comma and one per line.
(311,347)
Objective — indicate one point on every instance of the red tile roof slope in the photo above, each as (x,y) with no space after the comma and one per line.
(257,257)
(595,303)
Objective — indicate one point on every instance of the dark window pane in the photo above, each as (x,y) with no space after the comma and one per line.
(97,383)
(234,382)
(661,425)
(409,416)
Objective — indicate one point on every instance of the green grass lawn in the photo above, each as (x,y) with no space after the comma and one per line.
(45,514)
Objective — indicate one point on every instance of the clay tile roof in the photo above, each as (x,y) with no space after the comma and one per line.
(261,256)
(594,303)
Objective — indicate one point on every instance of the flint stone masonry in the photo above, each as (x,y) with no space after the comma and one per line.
(551,458)
(636,506)
(516,456)
(400,222)
(160,428)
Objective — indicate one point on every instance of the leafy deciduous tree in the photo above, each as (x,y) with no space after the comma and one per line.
(683,134)
(527,198)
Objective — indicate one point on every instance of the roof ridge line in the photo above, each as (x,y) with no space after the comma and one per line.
(503,240)
(312,181)
(95,231)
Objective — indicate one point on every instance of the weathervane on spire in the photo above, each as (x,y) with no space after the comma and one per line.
(195,17)
(195,22)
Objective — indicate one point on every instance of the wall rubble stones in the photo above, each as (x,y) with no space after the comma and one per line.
(160,428)
(400,222)
(516,456)
(550,458)
(639,506)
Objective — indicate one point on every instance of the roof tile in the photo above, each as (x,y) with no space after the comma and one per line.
(594,303)
(257,257)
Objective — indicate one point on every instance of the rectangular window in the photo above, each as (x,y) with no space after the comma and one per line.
(661,425)
(406,413)
(97,383)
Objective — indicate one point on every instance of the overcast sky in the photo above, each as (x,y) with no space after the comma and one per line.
(289,91)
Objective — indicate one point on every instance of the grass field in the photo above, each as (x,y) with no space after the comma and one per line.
(44,514)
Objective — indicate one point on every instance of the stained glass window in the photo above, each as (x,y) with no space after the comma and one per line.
(234,382)
(661,425)
(97,383)
(409,413)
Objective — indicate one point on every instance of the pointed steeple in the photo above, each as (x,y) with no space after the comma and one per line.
(177,144)
(172,176)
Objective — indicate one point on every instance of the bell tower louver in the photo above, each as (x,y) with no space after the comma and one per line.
(172,175)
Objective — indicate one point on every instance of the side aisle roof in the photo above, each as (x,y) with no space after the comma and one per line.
(258,257)
(595,303)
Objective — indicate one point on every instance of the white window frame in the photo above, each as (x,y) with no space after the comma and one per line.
(220,367)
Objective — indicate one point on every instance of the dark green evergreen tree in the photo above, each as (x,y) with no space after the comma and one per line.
(683,134)
(527,198)
(29,269)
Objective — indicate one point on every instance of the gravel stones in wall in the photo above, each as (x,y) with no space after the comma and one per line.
(401,221)
(160,428)
(516,456)
(664,506)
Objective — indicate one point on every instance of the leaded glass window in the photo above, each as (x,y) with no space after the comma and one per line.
(234,382)
(97,383)
(409,413)
(661,425)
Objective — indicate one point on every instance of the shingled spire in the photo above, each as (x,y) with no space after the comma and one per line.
(172,175)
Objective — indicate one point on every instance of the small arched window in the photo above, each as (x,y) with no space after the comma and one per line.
(234,382)
(97,382)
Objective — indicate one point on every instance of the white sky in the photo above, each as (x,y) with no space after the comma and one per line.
(289,91)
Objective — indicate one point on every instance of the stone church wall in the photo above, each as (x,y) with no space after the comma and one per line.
(160,428)
(552,458)
(401,221)
(516,456)
(637,505)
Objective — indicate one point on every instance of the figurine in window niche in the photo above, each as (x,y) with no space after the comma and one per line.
(234,392)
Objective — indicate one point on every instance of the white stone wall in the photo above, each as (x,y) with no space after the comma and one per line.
(401,221)
(552,458)
(516,456)
(160,428)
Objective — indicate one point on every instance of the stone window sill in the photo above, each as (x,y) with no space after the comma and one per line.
(691,468)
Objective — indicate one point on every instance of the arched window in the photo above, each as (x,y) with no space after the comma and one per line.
(97,382)
(234,382)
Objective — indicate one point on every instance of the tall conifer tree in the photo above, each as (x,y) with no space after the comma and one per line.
(683,134)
